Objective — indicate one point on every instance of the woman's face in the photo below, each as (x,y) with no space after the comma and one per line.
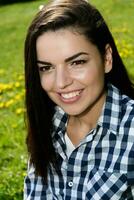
(71,70)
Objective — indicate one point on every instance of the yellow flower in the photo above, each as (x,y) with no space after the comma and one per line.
(17,84)
(20,111)
(4,86)
(24,174)
(18,97)
(21,77)
(2,105)
(9,103)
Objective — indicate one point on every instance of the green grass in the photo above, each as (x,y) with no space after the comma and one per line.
(14,20)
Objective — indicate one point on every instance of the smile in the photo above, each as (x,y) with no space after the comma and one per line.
(71,97)
(71,94)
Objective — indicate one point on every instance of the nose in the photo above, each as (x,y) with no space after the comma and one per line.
(63,78)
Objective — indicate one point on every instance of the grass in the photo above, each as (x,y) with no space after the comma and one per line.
(14,20)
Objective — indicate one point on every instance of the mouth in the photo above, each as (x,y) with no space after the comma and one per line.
(70,97)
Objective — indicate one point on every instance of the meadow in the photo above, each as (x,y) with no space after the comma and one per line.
(14,21)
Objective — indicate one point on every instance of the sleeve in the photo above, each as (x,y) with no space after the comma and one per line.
(33,186)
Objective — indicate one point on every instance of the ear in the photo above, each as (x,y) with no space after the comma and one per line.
(108,59)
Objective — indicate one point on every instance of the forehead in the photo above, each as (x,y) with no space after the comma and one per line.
(68,33)
(63,43)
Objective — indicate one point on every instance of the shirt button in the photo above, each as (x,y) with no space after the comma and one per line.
(70,184)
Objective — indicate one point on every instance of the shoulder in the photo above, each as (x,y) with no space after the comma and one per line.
(122,109)
(127,132)
(123,104)
(127,110)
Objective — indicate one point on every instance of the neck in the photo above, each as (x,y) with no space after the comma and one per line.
(83,123)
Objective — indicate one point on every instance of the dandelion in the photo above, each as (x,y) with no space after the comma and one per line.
(9,103)
(24,174)
(125,49)
(2,105)
(4,87)
(17,84)
(18,97)
(21,77)
(19,111)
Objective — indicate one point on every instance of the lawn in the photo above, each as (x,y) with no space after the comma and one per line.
(14,20)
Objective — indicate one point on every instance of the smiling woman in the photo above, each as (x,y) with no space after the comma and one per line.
(80,115)
(73,71)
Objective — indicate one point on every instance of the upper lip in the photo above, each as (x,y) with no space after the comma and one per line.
(67,92)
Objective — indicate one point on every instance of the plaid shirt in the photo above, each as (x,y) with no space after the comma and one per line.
(101,167)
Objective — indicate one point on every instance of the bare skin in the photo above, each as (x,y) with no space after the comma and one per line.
(82,125)
(72,73)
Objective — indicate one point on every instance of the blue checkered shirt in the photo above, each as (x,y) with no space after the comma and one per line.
(101,167)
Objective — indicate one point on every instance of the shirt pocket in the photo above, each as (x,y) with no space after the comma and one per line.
(104,185)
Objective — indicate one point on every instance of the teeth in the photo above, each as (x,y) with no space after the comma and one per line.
(70,95)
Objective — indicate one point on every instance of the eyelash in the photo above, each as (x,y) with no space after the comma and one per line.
(48,68)
(45,68)
(78,62)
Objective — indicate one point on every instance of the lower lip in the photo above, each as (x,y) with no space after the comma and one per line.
(72,99)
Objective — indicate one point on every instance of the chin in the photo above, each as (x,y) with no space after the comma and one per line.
(72,112)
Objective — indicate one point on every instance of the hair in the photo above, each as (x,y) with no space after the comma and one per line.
(87,20)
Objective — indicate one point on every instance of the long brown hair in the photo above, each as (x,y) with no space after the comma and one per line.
(87,20)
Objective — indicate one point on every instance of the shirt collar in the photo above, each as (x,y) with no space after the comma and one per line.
(111,113)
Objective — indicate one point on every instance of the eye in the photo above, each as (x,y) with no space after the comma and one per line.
(46,68)
(78,62)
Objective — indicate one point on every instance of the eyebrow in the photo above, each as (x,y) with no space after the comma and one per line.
(75,56)
(66,60)
(43,62)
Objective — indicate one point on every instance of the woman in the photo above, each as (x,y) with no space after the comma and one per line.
(80,107)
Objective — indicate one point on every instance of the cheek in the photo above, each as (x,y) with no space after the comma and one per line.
(46,83)
(89,75)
